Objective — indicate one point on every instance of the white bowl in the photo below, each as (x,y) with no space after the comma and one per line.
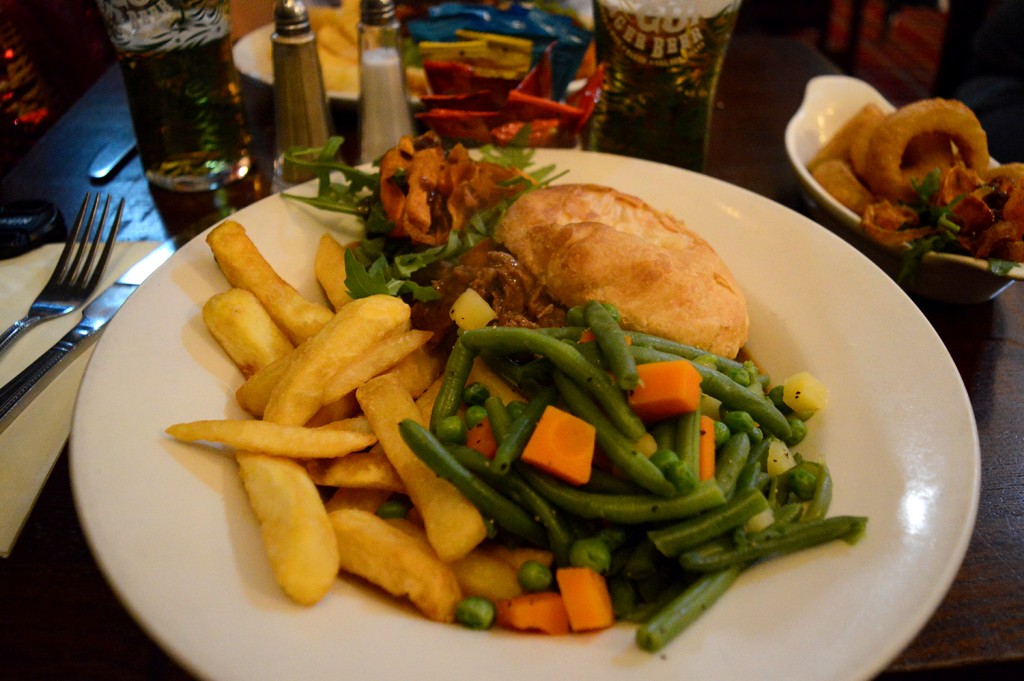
(830,101)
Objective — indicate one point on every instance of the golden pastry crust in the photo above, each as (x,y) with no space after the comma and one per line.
(591,242)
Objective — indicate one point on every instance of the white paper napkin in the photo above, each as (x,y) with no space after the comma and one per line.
(31,445)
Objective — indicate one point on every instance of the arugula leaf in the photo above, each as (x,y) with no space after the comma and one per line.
(1000,267)
(377,279)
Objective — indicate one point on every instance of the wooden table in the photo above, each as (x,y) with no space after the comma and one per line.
(61,620)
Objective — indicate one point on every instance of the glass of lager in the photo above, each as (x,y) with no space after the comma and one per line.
(662,59)
(183,90)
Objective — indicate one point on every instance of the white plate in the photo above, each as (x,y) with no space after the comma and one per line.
(172,531)
(830,101)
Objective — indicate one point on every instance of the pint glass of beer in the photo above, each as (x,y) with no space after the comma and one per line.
(183,90)
(662,59)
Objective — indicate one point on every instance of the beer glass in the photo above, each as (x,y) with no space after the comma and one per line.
(183,90)
(662,59)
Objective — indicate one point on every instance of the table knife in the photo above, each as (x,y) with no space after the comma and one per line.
(23,388)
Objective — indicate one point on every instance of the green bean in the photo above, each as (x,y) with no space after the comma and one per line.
(490,503)
(498,415)
(684,609)
(623,595)
(592,353)
(628,509)
(634,465)
(456,372)
(730,461)
(571,332)
(681,350)
(730,393)
(526,376)
(612,342)
(688,441)
(750,474)
(560,534)
(817,507)
(643,561)
(519,431)
(786,538)
(649,608)
(451,429)
(603,482)
(674,539)
(664,434)
(507,340)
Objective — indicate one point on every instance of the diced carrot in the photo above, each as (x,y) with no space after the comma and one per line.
(544,611)
(481,438)
(666,389)
(587,336)
(707,447)
(586,597)
(563,445)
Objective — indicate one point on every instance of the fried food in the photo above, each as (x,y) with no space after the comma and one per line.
(587,242)
(840,145)
(885,169)
(242,327)
(297,535)
(841,182)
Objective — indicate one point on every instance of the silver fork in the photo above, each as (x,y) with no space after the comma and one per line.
(78,270)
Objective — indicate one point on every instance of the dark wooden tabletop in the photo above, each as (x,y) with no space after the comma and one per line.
(60,620)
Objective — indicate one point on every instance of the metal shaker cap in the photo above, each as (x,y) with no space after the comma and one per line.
(377,12)
(291,18)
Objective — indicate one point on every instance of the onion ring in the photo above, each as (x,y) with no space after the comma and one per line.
(884,170)
(839,180)
(870,118)
(839,145)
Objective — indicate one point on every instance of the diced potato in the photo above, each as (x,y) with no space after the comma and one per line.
(481,573)
(804,394)
(471,311)
(780,458)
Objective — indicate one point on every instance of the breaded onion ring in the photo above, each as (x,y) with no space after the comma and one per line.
(839,180)
(869,118)
(885,173)
(839,145)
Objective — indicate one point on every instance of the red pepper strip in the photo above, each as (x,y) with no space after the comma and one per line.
(524,107)
(461,125)
(538,81)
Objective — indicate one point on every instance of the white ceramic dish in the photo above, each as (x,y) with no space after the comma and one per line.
(829,101)
(172,531)
(253,58)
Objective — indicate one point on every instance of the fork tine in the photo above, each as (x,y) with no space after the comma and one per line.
(108,246)
(70,245)
(79,276)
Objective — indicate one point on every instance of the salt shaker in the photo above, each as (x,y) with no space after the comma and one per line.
(384,115)
(301,114)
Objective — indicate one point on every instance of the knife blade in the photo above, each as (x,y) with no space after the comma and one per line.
(26,386)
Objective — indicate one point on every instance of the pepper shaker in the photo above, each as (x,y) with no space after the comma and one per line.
(384,115)
(301,114)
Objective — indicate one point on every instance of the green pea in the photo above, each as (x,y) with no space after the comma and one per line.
(722,434)
(534,576)
(393,508)
(475,415)
(802,482)
(475,612)
(515,408)
(798,430)
(739,421)
(451,429)
(775,395)
(575,316)
(475,393)
(592,553)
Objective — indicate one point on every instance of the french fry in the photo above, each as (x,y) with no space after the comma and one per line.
(384,555)
(480,573)
(454,526)
(362,498)
(370,469)
(297,536)
(482,373)
(329,268)
(274,438)
(350,333)
(254,394)
(418,370)
(378,359)
(240,324)
(335,411)
(245,267)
